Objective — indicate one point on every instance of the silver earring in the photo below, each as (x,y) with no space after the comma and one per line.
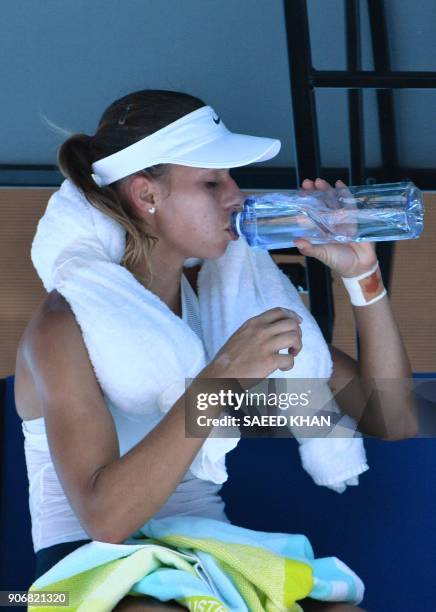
(152,210)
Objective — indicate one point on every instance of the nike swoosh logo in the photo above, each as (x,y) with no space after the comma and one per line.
(217,120)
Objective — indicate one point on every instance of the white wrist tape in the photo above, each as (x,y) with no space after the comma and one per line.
(366,288)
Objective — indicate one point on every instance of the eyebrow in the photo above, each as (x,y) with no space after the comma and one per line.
(215,170)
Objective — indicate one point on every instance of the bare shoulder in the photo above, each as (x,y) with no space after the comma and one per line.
(53,319)
(51,331)
(53,310)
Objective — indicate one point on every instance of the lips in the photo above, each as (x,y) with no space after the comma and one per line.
(229,228)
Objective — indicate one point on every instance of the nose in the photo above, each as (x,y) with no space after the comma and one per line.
(237,206)
(234,198)
(236,203)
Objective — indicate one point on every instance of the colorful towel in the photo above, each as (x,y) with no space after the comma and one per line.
(205,565)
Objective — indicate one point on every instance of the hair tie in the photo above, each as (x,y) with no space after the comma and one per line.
(122,119)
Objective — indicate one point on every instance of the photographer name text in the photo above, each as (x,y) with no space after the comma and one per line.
(279,420)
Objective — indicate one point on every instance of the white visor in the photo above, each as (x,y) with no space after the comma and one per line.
(199,139)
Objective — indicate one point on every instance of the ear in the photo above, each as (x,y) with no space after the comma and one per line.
(142,193)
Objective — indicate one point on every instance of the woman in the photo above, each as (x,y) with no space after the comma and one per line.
(170,211)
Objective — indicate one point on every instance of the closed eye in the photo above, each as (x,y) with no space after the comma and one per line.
(212,184)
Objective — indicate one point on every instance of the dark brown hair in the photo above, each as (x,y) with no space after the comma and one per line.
(124,122)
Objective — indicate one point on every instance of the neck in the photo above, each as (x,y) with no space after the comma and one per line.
(167,273)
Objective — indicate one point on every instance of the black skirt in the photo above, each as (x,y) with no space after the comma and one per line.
(47,557)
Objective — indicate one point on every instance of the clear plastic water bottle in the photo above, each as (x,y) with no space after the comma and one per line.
(367,213)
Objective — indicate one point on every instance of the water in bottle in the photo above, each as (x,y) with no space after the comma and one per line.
(367,213)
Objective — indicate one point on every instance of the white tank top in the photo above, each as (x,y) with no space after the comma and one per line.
(53,520)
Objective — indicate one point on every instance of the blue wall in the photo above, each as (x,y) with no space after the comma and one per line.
(68,60)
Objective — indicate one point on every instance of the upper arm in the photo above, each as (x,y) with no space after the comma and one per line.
(370,406)
(346,386)
(344,366)
(80,429)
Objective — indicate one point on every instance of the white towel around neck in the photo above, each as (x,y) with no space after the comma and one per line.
(142,352)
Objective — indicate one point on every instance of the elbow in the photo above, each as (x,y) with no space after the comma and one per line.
(97,529)
(107,519)
(392,432)
(102,519)
(105,531)
(404,434)
(98,522)
(108,537)
(393,416)
(111,526)
(406,430)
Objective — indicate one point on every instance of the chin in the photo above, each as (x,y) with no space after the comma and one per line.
(213,251)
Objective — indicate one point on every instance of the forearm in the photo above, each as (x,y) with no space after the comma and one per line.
(129,491)
(385,372)
(383,354)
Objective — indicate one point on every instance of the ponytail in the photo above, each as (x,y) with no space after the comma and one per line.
(74,160)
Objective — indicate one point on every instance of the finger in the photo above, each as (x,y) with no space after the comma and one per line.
(285,362)
(345,194)
(302,244)
(285,341)
(330,193)
(307,184)
(342,186)
(322,185)
(308,249)
(285,325)
(275,314)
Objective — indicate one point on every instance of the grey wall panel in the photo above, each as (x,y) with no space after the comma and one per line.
(416,127)
(70,59)
(327,34)
(411,27)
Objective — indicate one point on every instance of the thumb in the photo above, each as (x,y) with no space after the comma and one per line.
(311,250)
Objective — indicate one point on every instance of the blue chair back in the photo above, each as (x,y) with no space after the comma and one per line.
(17,559)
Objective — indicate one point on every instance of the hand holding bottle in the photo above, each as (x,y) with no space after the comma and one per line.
(348,260)
(252,352)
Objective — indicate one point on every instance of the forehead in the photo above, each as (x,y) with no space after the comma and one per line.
(189,171)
